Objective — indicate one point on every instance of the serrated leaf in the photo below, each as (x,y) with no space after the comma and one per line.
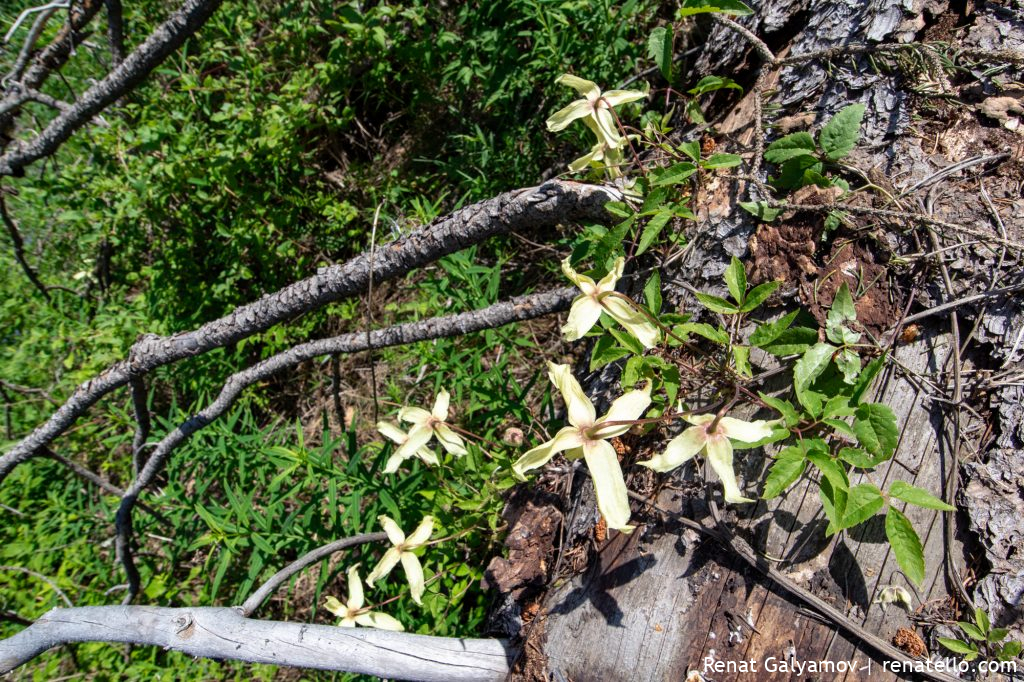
(736,279)
(670,381)
(673,175)
(1010,651)
(791,341)
(710,333)
(875,426)
(618,209)
(810,366)
(860,459)
(610,245)
(627,341)
(917,496)
(798,172)
(741,355)
(997,634)
(790,147)
(833,502)
(830,469)
(865,378)
(721,161)
(783,407)
(956,646)
(659,49)
(971,630)
(839,136)
(716,304)
(768,332)
(758,295)
(712,83)
(848,363)
(761,210)
(652,293)
(789,465)
(838,406)
(691,149)
(862,502)
(842,308)
(839,425)
(606,350)
(652,230)
(906,545)
(692,7)
(981,618)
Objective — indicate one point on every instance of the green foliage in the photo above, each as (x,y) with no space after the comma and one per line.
(983,640)
(803,161)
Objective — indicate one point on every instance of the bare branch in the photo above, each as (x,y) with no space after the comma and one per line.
(222,633)
(33,35)
(142,422)
(163,41)
(318,554)
(521,210)
(19,249)
(115,31)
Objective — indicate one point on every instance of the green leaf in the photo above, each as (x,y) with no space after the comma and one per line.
(721,161)
(736,279)
(719,336)
(875,426)
(653,229)
(652,293)
(758,294)
(606,350)
(838,406)
(673,175)
(862,502)
(839,425)
(790,147)
(691,7)
(712,83)
(618,209)
(905,545)
(833,501)
(981,618)
(848,363)
(659,49)
(842,307)
(792,341)
(716,303)
(810,366)
(691,149)
(741,354)
(865,378)
(997,634)
(1010,651)
(859,458)
(789,465)
(972,630)
(783,407)
(917,496)
(627,341)
(761,210)
(768,332)
(610,245)
(797,172)
(839,136)
(956,646)
(830,469)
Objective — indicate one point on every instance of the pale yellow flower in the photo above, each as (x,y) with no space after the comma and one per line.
(427,425)
(353,613)
(595,109)
(400,437)
(402,552)
(717,444)
(587,308)
(587,437)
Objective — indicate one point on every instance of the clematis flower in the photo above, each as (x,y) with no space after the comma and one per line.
(587,308)
(587,437)
(427,425)
(353,613)
(595,109)
(718,444)
(399,437)
(402,551)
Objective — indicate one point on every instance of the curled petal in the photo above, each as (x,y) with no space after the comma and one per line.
(586,88)
(612,498)
(595,156)
(609,281)
(561,119)
(414,574)
(418,436)
(394,461)
(583,315)
(355,589)
(586,284)
(381,621)
(336,607)
(394,532)
(440,411)
(581,411)
(700,419)
(449,440)
(384,566)
(421,534)
(428,456)
(614,98)
(634,322)
(606,128)
(392,432)
(680,449)
(747,432)
(720,457)
(414,415)
(628,407)
(568,437)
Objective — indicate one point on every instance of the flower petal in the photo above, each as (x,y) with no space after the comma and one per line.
(583,315)
(347,622)
(418,436)
(616,97)
(679,450)
(568,437)
(561,119)
(449,440)
(336,607)
(394,532)
(586,88)
(581,411)
(596,154)
(421,534)
(635,322)
(700,419)
(381,621)
(609,281)
(607,131)
(720,457)
(612,498)
(627,407)
(355,588)
(414,415)
(747,432)
(392,432)
(414,574)
(384,566)
(441,402)
(586,284)
(428,456)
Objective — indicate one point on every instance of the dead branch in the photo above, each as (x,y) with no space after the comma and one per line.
(115,31)
(19,249)
(161,43)
(521,210)
(223,633)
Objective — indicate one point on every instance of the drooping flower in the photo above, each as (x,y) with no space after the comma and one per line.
(718,444)
(894,594)
(587,437)
(595,109)
(427,425)
(399,437)
(353,613)
(402,551)
(587,308)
